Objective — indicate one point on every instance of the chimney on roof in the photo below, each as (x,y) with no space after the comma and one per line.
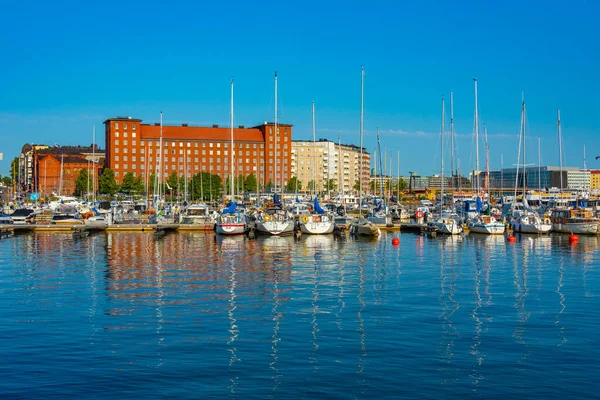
(184,124)
(215,126)
(241,127)
(157,124)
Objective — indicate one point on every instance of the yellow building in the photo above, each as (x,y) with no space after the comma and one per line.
(594,178)
(324,160)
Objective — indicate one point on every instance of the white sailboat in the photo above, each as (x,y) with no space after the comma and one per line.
(525,219)
(443,222)
(231,221)
(572,220)
(275,220)
(482,223)
(318,222)
(361,225)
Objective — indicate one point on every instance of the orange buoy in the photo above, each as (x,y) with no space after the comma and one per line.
(395,241)
(573,238)
(511,239)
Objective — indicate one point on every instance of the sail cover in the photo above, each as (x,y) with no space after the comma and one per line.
(230,208)
(318,208)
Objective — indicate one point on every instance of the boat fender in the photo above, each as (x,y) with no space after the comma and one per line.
(267,217)
(305,219)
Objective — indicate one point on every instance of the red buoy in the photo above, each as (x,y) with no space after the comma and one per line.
(395,241)
(573,238)
(511,239)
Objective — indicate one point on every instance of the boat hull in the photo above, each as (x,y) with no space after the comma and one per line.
(231,229)
(277,228)
(578,228)
(520,227)
(487,229)
(447,228)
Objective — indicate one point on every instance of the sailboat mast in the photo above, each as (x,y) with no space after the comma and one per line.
(341,177)
(452,143)
(560,148)
(398,180)
(442,153)
(476,139)
(94,162)
(232,148)
(360,168)
(539,171)
(524,148)
(160,160)
(276,136)
(314,132)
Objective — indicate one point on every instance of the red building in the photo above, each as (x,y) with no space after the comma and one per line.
(57,173)
(188,150)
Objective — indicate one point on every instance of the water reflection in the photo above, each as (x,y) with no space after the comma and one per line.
(248,317)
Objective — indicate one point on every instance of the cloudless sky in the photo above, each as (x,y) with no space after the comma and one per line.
(69,65)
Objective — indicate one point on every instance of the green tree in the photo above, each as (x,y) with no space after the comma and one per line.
(172,183)
(132,184)
(330,185)
(402,185)
(357,186)
(7,180)
(82,182)
(251,184)
(290,186)
(311,186)
(269,186)
(107,183)
(14,168)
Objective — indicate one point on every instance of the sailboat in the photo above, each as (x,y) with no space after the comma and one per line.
(318,222)
(379,215)
(485,222)
(361,225)
(443,222)
(275,220)
(572,220)
(231,221)
(524,218)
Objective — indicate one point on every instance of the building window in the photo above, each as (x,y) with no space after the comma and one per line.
(180,144)
(124,125)
(189,144)
(125,133)
(134,150)
(125,142)
(210,152)
(116,158)
(133,127)
(203,152)
(116,149)
(203,144)
(125,158)
(116,125)
(116,134)
(241,145)
(117,166)
(125,150)
(218,167)
(219,145)
(225,145)
(116,142)
(116,174)
(210,145)
(142,159)
(195,159)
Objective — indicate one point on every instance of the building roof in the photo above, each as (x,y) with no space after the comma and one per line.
(71,150)
(123,119)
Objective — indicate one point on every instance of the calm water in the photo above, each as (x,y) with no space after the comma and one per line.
(191,315)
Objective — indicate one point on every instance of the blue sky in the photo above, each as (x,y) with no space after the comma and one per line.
(69,65)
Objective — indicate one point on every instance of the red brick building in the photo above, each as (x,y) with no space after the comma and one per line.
(188,150)
(52,182)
